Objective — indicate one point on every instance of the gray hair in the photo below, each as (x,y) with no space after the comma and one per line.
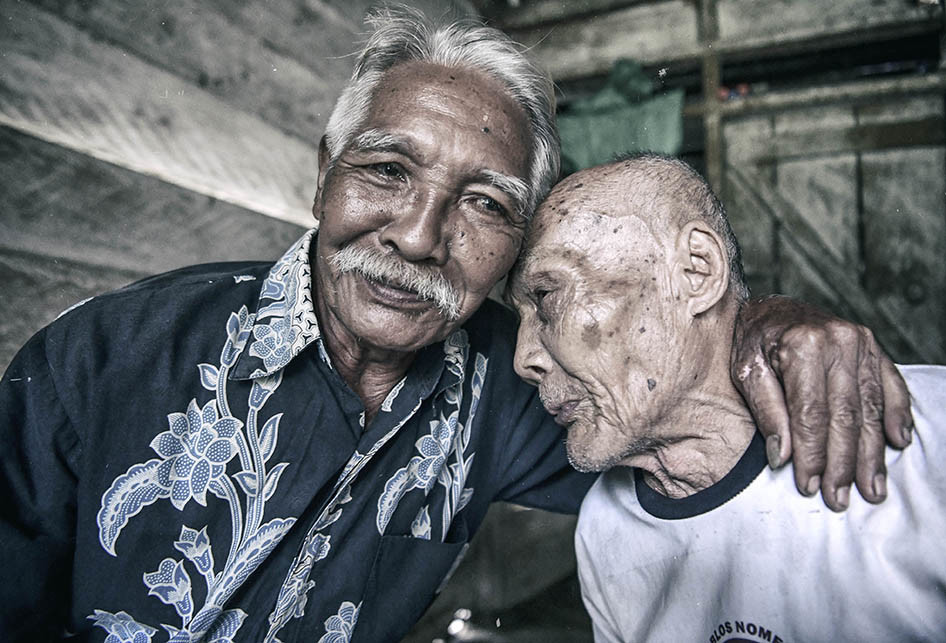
(686,192)
(403,34)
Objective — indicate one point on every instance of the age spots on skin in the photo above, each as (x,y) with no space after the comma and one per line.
(591,335)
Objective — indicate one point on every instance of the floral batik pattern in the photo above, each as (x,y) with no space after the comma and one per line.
(441,455)
(208,455)
(193,456)
(294,592)
(339,628)
(287,325)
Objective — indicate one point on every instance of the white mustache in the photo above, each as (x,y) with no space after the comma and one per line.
(426,283)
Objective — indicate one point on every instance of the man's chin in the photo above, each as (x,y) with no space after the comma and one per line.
(585,461)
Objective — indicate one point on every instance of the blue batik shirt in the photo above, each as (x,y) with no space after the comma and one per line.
(181,462)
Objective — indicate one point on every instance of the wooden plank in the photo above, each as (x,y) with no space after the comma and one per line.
(63,205)
(665,31)
(756,231)
(903,109)
(317,35)
(845,285)
(711,81)
(905,243)
(822,188)
(62,85)
(320,34)
(798,278)
(855,92)
(756,234)
(750,24)
(224,57)
(520,15)
(856,138)
(824,192)
(72,226)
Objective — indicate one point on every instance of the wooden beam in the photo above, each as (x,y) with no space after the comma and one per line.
(64,86)
(711,81)
(538,13)
(232,51)
(665,32)
(750,25)
(38,288)
(62,205)
(857,138)
(855,92)
(73,226)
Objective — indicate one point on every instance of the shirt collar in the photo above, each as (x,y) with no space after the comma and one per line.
(285,322)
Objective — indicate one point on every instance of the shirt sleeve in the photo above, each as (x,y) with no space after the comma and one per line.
(37,515)
(537,472)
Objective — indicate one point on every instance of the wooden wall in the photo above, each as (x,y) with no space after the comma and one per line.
(849,198)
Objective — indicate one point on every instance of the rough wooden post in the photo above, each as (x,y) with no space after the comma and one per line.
(712,74)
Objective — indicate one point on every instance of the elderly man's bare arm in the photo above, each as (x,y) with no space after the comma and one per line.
(823,393)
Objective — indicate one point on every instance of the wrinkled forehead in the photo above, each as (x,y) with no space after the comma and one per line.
(580,236)
(470,98)
(560,244)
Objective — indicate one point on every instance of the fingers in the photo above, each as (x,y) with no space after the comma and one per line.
(805,381)
(871,475)
(844,428)
(841,398)
(763,393)
(898,421)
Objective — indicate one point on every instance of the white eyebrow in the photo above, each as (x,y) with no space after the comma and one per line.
(376,139)
(516,188)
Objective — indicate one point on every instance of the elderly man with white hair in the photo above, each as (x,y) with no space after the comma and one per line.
(628,289)
(302,450)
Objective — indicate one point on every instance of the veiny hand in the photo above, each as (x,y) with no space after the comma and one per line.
(821,388)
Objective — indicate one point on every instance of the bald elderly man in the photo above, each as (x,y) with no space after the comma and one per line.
(628,290)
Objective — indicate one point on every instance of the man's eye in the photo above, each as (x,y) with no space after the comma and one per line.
(489,204)
(543,304)
(388,170)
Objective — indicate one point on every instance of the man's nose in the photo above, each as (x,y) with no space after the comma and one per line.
(531,361)
(419,229)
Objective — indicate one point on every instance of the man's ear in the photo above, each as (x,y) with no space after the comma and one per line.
(702,267)
(324,161)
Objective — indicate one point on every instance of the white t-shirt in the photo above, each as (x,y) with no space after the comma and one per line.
(750,559)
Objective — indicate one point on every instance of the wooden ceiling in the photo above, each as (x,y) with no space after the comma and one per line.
(225,99)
